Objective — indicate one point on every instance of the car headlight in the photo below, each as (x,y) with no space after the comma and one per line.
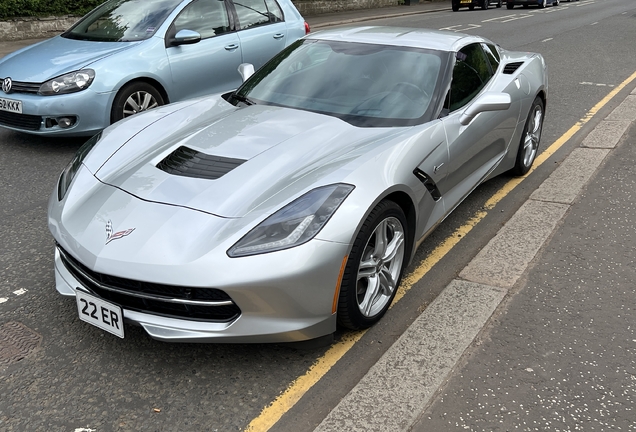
(295,224)
(71,169)
(69,83)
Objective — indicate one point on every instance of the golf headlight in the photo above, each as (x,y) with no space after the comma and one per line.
(71,169)
(69,83)
(295,224)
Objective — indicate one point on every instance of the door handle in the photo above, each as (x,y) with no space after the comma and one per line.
(437,168)
(231,47)
(279,36)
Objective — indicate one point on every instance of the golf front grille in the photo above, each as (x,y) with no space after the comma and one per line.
(20,121)
(198,304)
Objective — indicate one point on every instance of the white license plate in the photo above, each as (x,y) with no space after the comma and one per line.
(11,105)
(100,313)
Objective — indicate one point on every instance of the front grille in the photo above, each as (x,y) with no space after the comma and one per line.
(187,162)
(25,87)
(510,68)
(20,121)
(199,304)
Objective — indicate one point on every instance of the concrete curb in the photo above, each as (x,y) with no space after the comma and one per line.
(397,389)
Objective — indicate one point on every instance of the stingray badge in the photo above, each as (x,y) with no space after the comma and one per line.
(110,236)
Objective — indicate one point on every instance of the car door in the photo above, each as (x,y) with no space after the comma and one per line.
(262,30)
(210,65)
(475,148)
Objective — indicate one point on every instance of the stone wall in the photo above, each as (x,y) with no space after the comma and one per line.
(315,7)
(29,28)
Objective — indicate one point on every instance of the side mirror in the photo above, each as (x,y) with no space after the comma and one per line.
(246,70)
(185,37)
(486,102)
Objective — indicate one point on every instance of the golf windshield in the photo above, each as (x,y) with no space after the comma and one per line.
(363,84)
(122,21)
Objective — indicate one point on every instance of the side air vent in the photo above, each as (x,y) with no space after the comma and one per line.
(510,68)
(428,183)
(187,162)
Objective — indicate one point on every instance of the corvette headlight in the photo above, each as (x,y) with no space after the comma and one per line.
(69,83)
(295,224)
(71,169)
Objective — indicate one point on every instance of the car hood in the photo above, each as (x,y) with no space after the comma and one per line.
(54,57)
(267,156)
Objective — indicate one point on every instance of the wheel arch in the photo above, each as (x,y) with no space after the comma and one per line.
(541,94)
(406,204)
(148,80)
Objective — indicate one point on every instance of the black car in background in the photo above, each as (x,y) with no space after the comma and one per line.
(470,4)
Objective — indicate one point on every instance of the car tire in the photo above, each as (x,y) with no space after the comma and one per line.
(555,2)
(455,8)
(471,7)
(374,267)
(485,4)
(530,139)
(498,4)
(509,6)
(133,98)
(542,4)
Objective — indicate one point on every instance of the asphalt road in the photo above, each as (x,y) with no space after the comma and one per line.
(80,377)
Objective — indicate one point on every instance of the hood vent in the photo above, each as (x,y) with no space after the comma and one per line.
(187,162)
(510,68)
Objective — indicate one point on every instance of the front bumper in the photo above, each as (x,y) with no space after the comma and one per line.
(277,302)
(90,111)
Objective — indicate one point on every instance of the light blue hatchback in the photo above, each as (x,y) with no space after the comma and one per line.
(127,56)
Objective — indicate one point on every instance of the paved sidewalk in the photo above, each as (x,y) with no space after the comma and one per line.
(539,330)
(359,16)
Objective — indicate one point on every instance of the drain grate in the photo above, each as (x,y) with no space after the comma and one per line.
(16,342)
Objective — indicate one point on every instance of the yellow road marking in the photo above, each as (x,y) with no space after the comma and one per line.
(283,403)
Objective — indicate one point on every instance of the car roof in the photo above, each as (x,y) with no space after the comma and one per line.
(438,40)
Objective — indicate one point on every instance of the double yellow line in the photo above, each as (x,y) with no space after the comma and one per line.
(283,403)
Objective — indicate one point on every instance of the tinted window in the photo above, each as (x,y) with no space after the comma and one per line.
(470,74)
(252,13)
(207,17)
(493,55)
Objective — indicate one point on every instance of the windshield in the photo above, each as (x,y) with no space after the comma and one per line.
(363,84)
(122,21)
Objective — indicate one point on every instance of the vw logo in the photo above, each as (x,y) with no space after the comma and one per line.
(6,85)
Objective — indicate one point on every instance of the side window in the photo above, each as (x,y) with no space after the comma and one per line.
(493,55)
(207,17)
(470,74)
(252,13)
(275,12)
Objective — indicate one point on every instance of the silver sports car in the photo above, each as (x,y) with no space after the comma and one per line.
(286,208)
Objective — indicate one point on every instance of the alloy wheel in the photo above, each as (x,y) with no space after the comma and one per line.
(533,136)
(139,101)
(380,267)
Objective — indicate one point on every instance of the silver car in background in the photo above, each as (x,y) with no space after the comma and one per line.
(128,56)
(278,211)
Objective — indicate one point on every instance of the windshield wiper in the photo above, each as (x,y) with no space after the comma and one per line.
(244,99)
